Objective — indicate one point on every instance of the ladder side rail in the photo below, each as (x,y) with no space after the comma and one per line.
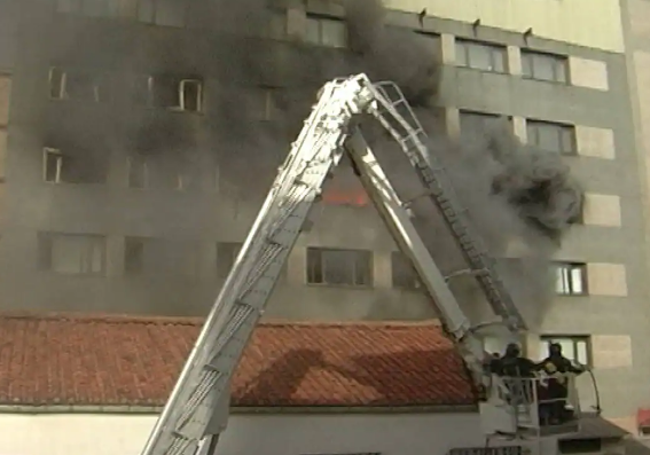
(391,209)
(297,185)
(440,184)
(214,322)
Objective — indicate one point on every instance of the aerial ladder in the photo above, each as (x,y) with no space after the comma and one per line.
(198,405)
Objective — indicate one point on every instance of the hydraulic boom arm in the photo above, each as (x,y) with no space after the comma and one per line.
(203,385)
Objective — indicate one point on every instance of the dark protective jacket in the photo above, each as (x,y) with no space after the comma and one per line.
(513,366)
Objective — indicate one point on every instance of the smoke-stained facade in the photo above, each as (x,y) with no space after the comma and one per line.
(143,137)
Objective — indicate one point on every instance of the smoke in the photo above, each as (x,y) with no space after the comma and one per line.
(514,195)
(520,201)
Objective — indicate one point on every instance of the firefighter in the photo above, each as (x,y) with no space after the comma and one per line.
(513,364)
(557,367)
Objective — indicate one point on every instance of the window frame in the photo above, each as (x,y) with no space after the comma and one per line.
(153,15)
(492,48)
(558,61)
(400,259)
(234,248)
(47,151)
(575,340)
(46,242)
(142,243)
(180,102)
(315,259)
(62,89)
(570,267)
(562,130)
(144,165)
(486,116)
(322,19)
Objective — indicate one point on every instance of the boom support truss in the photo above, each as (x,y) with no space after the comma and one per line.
(329,131)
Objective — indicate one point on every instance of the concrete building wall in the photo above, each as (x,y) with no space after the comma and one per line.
(407,434)
(637,53)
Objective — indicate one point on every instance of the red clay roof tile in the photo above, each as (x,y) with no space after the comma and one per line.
(119,360)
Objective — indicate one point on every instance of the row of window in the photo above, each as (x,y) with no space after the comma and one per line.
(59,167)
(547,136)
(86,254)
(331,32)
(168,92)
(319,30)
(493,58)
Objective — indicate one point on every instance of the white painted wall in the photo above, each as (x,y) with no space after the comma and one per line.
(390,434)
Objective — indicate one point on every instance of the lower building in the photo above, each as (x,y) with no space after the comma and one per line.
(89,384)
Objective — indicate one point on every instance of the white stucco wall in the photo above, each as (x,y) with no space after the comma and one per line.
(390,434)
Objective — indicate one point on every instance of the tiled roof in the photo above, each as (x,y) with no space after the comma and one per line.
(118,360)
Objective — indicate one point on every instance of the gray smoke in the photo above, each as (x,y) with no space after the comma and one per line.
(520,200)
(514,194)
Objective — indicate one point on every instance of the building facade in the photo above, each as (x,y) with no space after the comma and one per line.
(94,220)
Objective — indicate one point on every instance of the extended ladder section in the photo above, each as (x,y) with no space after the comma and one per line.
(395,114)
(203,386)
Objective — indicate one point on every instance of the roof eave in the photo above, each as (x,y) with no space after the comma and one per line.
(128,409)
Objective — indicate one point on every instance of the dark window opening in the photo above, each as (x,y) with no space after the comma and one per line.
(74,167)
(76,85)
(551,137)
(571,446)
(138,172)
(134,248)
(170,93)
(171,13)
(226,256)
(339,267)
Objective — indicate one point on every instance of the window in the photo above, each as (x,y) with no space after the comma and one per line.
(575,348)
(226,256)
(481,56)
(138,172)
(270,106)
(544,67)
(172,13)
(551,137)
(589,445)
(403,274)
(93,8)
(72,253)
(75,85)
(188,178)
(506,450)
(479,121)
(324,31)
(570,278)
(59,167)
(170,93)
(134,255)
(339,267)
(52,165)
